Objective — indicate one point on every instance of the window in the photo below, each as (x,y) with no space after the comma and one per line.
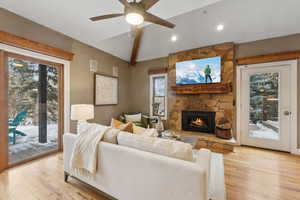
(158,95)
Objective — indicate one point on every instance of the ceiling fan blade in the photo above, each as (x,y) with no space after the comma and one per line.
(154,19)
(124,2)
(105,17)
(147,4)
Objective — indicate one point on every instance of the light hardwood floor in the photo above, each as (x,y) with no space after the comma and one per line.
(251,174)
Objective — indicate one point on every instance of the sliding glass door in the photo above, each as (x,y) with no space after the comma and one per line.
(34,107)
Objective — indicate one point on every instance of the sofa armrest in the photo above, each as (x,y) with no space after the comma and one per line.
(203,159)
(68,143)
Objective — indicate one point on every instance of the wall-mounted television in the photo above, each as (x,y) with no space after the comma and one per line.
(200,71)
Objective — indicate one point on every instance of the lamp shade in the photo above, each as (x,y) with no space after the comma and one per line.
(82,112)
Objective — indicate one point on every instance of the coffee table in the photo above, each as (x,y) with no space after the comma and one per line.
(190,139)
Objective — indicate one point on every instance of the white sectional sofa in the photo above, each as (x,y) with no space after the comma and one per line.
(130,174)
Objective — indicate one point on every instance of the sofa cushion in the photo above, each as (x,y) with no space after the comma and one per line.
(152,132)
(174,149)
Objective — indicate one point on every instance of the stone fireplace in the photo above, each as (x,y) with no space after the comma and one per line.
(198,121)
(221,104)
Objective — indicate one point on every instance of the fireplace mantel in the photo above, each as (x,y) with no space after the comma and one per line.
(215,88)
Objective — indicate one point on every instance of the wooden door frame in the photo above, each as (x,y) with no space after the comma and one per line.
(4,113)
(4,55)
(293,136)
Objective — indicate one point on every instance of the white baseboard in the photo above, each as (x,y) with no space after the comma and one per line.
(296,152)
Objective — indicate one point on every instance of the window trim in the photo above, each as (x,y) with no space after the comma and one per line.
(151,77)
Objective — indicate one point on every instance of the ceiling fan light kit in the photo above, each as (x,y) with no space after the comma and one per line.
(135,14)
(134,18)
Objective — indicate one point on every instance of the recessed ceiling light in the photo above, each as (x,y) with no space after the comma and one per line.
(220,27)
(174,38)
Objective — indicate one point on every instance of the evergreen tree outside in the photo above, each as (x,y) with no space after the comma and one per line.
(264,97)
(23,90)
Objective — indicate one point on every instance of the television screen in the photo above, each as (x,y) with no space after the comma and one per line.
(200,71)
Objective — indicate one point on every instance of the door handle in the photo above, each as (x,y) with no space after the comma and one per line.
(287,113)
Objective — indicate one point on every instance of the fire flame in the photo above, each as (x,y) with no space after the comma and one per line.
(198,122)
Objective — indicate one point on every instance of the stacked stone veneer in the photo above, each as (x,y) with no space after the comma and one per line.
(222,104)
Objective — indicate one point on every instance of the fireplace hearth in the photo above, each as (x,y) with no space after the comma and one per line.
(198,121)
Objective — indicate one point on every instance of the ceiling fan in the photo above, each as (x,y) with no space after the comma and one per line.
(136,13)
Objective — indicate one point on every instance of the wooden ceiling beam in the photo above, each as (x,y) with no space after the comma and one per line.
(136,45)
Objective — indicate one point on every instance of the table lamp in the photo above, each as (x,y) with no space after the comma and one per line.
(82,113)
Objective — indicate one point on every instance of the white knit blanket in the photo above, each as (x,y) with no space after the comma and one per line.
(84,157)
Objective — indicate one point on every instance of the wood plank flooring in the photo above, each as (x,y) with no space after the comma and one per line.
(251,174)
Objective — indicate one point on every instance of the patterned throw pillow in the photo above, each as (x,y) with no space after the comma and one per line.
(128,127)
(115,123)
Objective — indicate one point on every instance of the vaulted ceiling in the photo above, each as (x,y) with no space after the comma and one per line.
(196,22)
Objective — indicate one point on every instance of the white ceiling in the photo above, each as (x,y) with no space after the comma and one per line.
(244,20)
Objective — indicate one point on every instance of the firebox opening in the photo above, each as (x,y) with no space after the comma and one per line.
(198,121)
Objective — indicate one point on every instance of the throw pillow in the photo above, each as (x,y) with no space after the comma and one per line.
(174,149)
(138,129)
(115,123)
(134,118)
(110,136)
(128,127)
(151,132)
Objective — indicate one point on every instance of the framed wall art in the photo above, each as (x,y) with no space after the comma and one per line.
(106,90)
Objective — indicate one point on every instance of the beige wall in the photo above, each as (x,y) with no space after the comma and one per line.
(82,81)
(81,90)
(139,84)
(274,45)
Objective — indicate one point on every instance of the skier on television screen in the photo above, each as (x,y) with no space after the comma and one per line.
(207,72)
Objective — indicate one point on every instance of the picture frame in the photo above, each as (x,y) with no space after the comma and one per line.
(106,90)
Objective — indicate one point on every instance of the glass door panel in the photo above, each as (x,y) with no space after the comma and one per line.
(264,106)
(33,109)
